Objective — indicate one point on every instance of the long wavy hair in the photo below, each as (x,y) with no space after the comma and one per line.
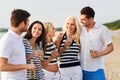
(76,35)
(28,35)
(48,26)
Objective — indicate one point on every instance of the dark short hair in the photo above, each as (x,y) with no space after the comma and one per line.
(19,15)
(88,11)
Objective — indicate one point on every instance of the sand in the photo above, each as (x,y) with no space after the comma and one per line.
(112,61)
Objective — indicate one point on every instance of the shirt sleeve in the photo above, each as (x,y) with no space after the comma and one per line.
(106,37)
(5,48)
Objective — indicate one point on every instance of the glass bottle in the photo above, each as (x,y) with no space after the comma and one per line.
(32,73)
(41,57)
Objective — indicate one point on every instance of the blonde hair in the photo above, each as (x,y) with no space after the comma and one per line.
(76,35)
(48,26)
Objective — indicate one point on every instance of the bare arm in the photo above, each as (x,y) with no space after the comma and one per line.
(45,63)
(5,66)
(53,55)
(58,39)
(35,53)
(66,44)
(106,51)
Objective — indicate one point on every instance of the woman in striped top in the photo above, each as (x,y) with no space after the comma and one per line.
(50,64)
(69,49)
(33,37)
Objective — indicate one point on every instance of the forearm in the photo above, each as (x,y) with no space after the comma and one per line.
(45,63)
(107,50)
(61,50)
(12,67)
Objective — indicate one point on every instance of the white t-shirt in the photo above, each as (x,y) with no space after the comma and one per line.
(12,47)
(96,39)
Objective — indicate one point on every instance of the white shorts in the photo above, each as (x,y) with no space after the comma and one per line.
(51,75)
(71,73)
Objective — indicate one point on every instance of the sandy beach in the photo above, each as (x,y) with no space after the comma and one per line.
(112,61)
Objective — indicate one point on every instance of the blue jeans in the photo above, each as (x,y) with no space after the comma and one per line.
(94,75)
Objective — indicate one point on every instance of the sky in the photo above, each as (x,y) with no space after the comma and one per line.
(56,11)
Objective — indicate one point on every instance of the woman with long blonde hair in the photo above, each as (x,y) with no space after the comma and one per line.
(68,43)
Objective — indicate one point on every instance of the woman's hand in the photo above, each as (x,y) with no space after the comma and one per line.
(38,53)
(54,53)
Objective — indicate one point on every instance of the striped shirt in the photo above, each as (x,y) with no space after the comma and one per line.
(69,57)
(39,74)
(50,47)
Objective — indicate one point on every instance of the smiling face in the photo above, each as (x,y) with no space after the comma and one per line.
(52,31)
(85,21)
(36,30)
(70,26)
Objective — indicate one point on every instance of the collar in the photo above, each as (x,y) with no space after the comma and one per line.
(14,34)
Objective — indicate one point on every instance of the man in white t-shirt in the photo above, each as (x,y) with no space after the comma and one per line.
(95,43)
(12,52)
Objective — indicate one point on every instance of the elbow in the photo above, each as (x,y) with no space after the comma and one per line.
(112,48)
(3,64)
(1,67)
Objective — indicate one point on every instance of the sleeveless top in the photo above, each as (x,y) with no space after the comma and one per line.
(70,57)
(39,74)
(48,51)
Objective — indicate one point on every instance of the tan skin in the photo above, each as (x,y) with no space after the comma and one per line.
(46,65)
(4,65)
(36,32)
(89,24)
(70,30)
